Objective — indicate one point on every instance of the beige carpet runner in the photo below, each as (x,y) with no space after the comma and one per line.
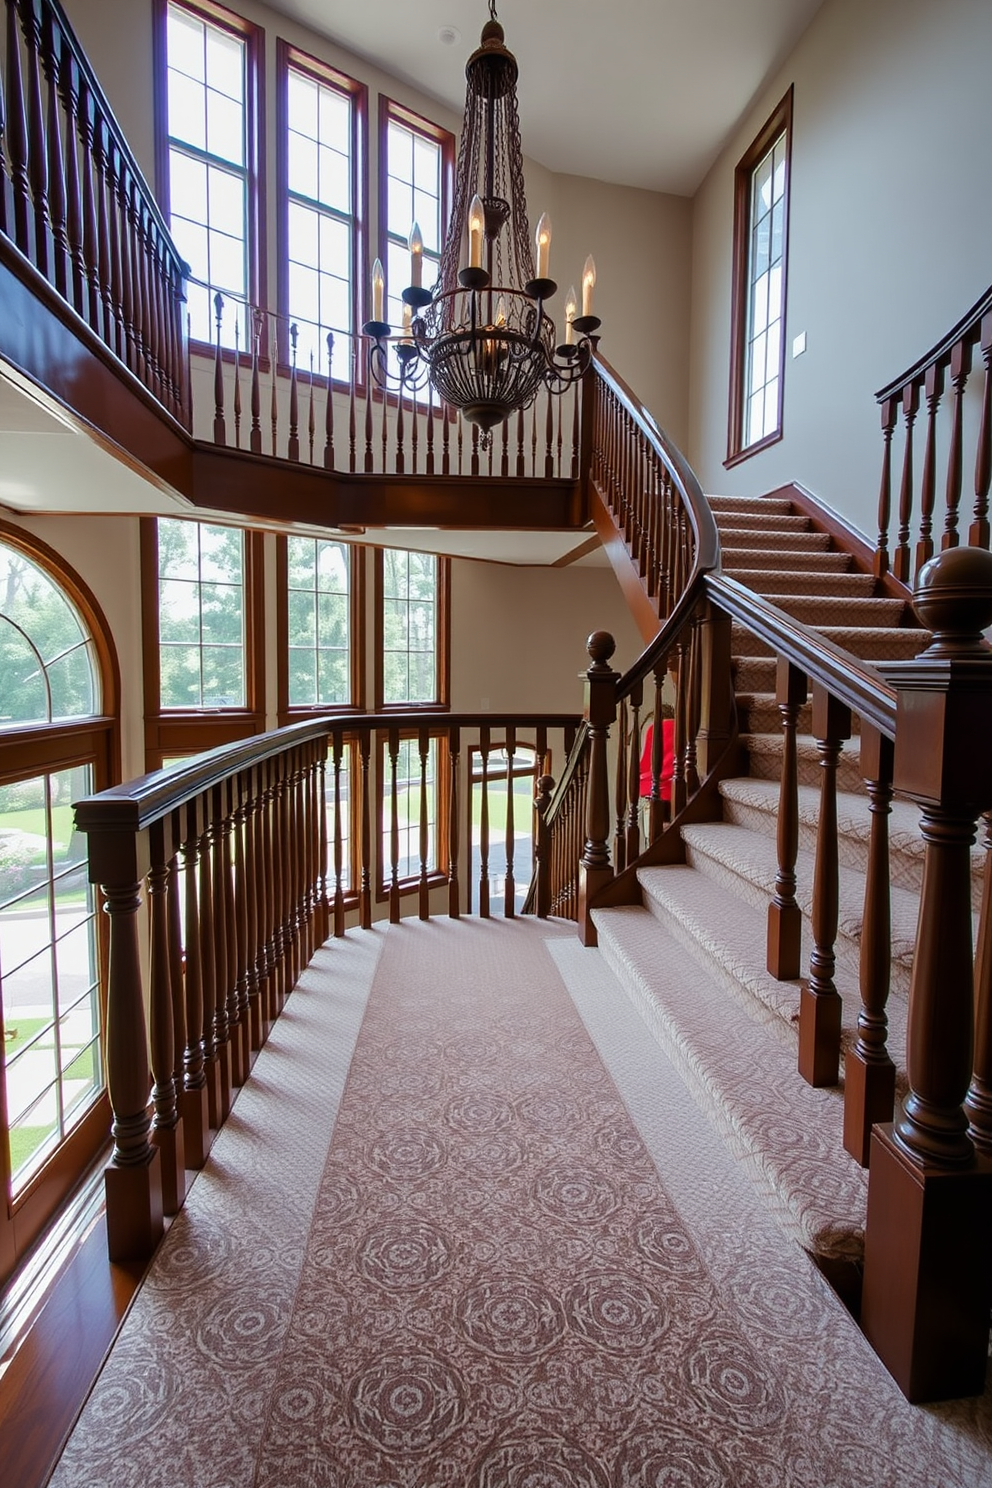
(474,1276)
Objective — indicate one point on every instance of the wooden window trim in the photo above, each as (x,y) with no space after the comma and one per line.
(437,877)
(189,731)
(779,120)
(390,110)
(356,646)
(442,703)
(288,56)
(254,38)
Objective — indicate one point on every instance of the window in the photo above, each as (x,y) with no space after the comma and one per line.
(58,742)
(415,166)
(761,220)
(208,113)
(203,636)
(322,129)
(411,629)
(319,608)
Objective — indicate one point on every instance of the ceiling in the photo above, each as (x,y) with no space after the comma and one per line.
(639,92)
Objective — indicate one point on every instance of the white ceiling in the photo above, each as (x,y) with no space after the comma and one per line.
(639,92)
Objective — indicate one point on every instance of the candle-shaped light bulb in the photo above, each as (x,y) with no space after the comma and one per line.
(476,228)
(543,240)
(407,319)
(500,312)
(378,290)
(416,242)
(571,305)
(588,285)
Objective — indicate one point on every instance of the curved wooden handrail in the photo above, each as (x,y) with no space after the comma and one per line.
(968,328)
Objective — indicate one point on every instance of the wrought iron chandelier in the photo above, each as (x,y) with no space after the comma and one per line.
(483,337)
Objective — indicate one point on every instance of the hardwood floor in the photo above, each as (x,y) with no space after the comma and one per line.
(48,1370)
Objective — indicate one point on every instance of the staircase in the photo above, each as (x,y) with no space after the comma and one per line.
(692,955)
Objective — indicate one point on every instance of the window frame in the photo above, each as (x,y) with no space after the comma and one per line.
(392,112)
(255,218)
(289,57)
(287,712)
(441,703)
(177,732)
(780,121)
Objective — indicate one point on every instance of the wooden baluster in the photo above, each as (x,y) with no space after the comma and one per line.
(445,441)
(785,920)
(212,1064)
(365,891)
(413,430)
(504,457)
(384,432)
(461,443)
(255,433)
(429,420)
(658,807)
(133,1177)
(543,849)
(533,439)
(549,437)
(424,745)
(73,204)
(394,829)
(283,937)
(320,807)
(869,1074)
(978,1103)
(56,161)
(934,388)
(927,1282)
(220,425)
(273,388)
(94,304)
(177,998)
(978,533)
(195,1105)
(820,1003)
(454,747)
(475,449)
(167,1132)
(264,849)
(509,884)
(295,840)
(254,967)
(134,238)
(329,411)
(595,870)
(294,397)
(104,246)
(625,747)
(338,747)
(680,676)
(400,434)
(237,920)
(17,135)
(219,845)
(960,372)
(484,737)
(690,769)
(901,556)
(576,445)
(521,467)
(369,455)
(632,841)
(311,415)
(37,147)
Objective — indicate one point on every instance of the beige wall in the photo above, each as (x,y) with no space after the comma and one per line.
(890,227)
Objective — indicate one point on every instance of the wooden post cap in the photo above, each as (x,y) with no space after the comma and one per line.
(601,647)
(953,599)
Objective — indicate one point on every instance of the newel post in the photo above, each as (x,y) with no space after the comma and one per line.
(595,869)
(927,1281)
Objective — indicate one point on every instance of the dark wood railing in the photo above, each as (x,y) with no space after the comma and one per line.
(926,507)
(247,858)
(75,205)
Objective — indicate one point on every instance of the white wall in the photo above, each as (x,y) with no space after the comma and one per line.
(889,237)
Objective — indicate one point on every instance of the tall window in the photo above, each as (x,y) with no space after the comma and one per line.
(415,164)
(210,63)
(322,126)
(758,313)
(57,744)
(319,608)
(411,624)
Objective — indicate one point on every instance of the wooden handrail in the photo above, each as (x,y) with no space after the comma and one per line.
(968,328)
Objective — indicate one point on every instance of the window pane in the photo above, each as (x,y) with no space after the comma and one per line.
(335,120)
(225,128)
(302,96)
(303,166)
(187,111)
(185,43)
(46,664)
(335,179)
(302,619)
(225,63)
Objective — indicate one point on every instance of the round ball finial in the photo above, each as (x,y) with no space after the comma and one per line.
(601,646)
(493,31)
(953,598)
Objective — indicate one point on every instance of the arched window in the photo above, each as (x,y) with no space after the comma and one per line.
(58,742)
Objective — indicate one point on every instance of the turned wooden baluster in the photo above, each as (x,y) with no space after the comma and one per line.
(658,808)
(785,920)
(934,387)
(521,467)
(320,808)
(292,839)
(484,824)
(37,147)
(819,1002)
(595,869)
(369,453)
(208,978)
(393,746)
(424,749)
(294,396)
(264,852)
(329,411)
(103,190)
(236,934)
(901,556)
(542,847)
(869,1074)
(276,887)
(220,426)
(17,135)
(337,759)
(274,388)
(454,750)
(69,89)
(365,890)
(430,428)
(681,672)
(960,372)
(254,966)
(56,160)
(218,941)
(384,433)
(978,1103)
(178,1001)
(625,744)
(195,1106)
(509,884)
(978,533)
(167,1132)
(927,1280)
(632,844)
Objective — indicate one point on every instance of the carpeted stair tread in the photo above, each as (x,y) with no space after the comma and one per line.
(746,862)
(765,760)
(796,540)
(827,609)
(761,521)
(762,504)
(868,642)
(754,674)
(758,713)
(789,1136)
(769,581)
(735,558)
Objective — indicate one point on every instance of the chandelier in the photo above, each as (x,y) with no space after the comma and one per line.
(483,337)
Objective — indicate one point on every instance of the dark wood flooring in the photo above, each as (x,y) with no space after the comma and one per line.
(49,1371)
